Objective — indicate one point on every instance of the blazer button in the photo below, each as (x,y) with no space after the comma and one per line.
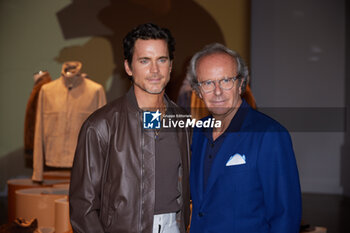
(200,214)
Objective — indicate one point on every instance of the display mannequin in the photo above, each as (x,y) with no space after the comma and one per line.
(63,106)
(40,78)
(71,71)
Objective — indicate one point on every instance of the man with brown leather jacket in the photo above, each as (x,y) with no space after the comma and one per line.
(125,177)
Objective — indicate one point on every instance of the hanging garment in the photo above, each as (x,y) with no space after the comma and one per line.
(29,120)
(63,105)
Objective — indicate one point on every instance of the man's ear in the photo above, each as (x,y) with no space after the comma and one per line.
(240,88)
(127,68)
(170,66)
(199,94)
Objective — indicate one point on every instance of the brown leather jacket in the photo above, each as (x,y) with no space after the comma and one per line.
(113,177)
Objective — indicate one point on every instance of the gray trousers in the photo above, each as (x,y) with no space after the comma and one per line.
(165,223)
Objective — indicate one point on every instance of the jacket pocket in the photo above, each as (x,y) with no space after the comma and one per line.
(237,168)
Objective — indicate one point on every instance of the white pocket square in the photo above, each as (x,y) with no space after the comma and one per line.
(236,159)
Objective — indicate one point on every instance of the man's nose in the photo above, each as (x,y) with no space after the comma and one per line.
(154,67)
(217,90)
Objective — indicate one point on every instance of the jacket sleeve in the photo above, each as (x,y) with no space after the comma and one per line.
(280,182)
(38,152)
(86,181)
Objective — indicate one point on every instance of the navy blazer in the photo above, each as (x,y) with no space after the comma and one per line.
(262,195)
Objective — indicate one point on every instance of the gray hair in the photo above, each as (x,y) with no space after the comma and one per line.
(242,69)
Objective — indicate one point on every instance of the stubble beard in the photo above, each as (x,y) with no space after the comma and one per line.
(157,92)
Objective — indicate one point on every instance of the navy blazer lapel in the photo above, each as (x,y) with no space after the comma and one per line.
(226,151)
(224,154)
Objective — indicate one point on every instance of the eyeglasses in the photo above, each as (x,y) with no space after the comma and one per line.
(225,84)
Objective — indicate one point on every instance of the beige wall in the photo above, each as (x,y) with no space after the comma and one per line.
(233,17)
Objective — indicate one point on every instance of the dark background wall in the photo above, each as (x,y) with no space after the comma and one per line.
(298,75)
(345,155)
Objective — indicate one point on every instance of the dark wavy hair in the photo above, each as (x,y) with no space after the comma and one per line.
(147,31)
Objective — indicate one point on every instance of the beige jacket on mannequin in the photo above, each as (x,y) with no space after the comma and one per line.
(63,105)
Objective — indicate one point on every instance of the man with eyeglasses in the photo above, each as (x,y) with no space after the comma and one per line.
(244,176)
